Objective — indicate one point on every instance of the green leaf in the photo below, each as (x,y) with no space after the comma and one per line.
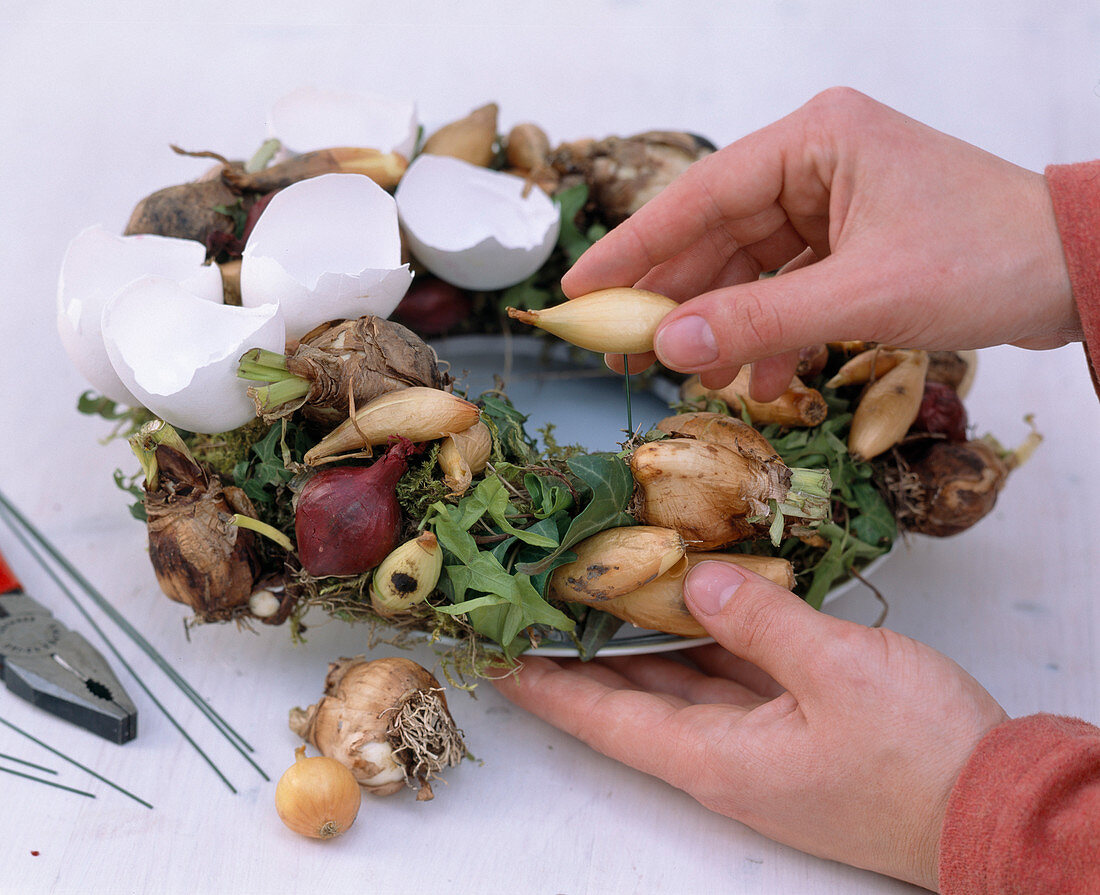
(514,443)
(490,496)
(570,239)
(611,486)
(599,628)
(502,604)
(547,495)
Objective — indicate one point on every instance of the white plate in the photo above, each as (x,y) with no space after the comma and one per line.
(554,383)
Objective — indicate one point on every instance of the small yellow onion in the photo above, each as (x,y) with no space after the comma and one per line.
(616,321)
(417,413)
(317,797)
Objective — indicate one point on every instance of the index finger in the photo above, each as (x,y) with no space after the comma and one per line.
(635,727)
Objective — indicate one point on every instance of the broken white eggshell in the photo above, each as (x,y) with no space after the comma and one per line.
(178,354)
(473,227)
(310,118)
(98,264)
(327,248)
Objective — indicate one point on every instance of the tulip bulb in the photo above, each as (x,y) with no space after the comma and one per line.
(615,321)
(616,561)
(462,455)
(660,606)
(799,405)
(888,408)
(417,413)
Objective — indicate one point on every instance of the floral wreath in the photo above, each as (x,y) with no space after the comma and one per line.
(303,446)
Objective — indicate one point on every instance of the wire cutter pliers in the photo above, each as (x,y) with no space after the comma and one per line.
(55,668)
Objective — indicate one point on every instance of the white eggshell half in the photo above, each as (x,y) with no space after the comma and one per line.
(474,227)
(310,118)
(178,354)
(96,265)
(327,248)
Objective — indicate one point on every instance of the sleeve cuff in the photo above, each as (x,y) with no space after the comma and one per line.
(1024,815)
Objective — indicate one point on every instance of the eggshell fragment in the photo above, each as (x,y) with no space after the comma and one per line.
(178,354)
(98,264)
(310,118)
(327,248)
(473,227)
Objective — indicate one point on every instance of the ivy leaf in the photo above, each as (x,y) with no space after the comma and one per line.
(502,604)
(570,239)
(599,628)
(490,496)
(547,495)
(611,485)
(515,444)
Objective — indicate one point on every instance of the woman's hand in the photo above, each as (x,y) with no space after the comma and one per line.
(890,231)
(840,740)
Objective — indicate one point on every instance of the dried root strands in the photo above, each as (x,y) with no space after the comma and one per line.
(407,575)
(616,321)
(471,139)
(717,428)
(463,455)
(339,365)
(617,561)
(714,496)
(200,557)
(798,406)
(387,721)
(888,407)
(416,413)
(660,606)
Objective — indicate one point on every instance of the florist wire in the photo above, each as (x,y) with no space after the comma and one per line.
(10,517)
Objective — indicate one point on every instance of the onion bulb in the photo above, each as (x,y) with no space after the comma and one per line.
(387,721)
(317,797)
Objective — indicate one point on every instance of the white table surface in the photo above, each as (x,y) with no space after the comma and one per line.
(90,97)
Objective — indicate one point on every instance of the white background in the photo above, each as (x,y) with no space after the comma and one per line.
(91,94)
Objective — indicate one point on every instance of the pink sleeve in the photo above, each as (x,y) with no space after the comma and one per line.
(1075,191)
(1024,815)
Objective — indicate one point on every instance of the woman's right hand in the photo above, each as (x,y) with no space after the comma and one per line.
(890,231)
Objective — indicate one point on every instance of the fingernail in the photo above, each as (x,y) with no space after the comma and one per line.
(710,585)
(686,343)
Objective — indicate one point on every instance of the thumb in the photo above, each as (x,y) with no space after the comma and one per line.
(825,301)
(760,621)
